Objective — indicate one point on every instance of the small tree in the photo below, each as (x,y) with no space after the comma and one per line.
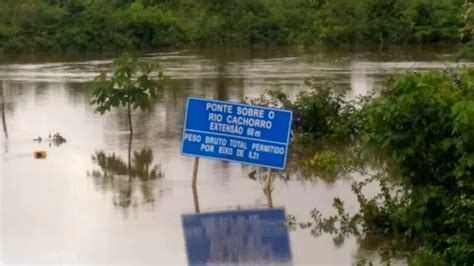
(130,85)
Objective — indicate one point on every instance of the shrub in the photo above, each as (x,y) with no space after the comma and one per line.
(321,112)
(426,122)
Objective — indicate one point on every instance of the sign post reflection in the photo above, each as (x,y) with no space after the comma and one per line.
(253,236)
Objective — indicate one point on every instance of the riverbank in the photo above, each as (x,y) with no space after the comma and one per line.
(422,52)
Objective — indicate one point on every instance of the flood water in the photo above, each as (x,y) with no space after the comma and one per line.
(79,205)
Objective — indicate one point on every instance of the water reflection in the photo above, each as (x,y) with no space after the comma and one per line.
(241,236)
(196,200)
(237,237)
(124,179)
(251,236)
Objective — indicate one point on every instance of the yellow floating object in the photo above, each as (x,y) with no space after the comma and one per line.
(40,154)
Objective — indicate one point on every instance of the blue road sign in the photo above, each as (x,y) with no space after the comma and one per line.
(237,237)
(236,132)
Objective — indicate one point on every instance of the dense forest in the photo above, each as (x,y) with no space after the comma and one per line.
(96,25)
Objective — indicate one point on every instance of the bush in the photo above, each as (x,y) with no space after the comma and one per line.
(467,32)
(426,122)
(151,27)
(320,112)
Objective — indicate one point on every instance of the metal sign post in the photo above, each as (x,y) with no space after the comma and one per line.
(195,170)
(268,181)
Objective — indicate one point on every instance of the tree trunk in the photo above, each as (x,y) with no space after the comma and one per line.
(129,165)
(129,113)
(4,120)
(131,134)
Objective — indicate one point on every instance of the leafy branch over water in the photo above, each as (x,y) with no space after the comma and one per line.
(131,85)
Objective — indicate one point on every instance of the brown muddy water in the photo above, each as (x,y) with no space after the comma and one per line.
(73,208)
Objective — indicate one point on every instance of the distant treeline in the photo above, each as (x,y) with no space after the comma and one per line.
(95,25)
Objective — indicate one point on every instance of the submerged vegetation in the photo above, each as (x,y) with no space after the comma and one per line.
(426,123)
(320,112)
(55,139)
(423,124)
(94,25)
